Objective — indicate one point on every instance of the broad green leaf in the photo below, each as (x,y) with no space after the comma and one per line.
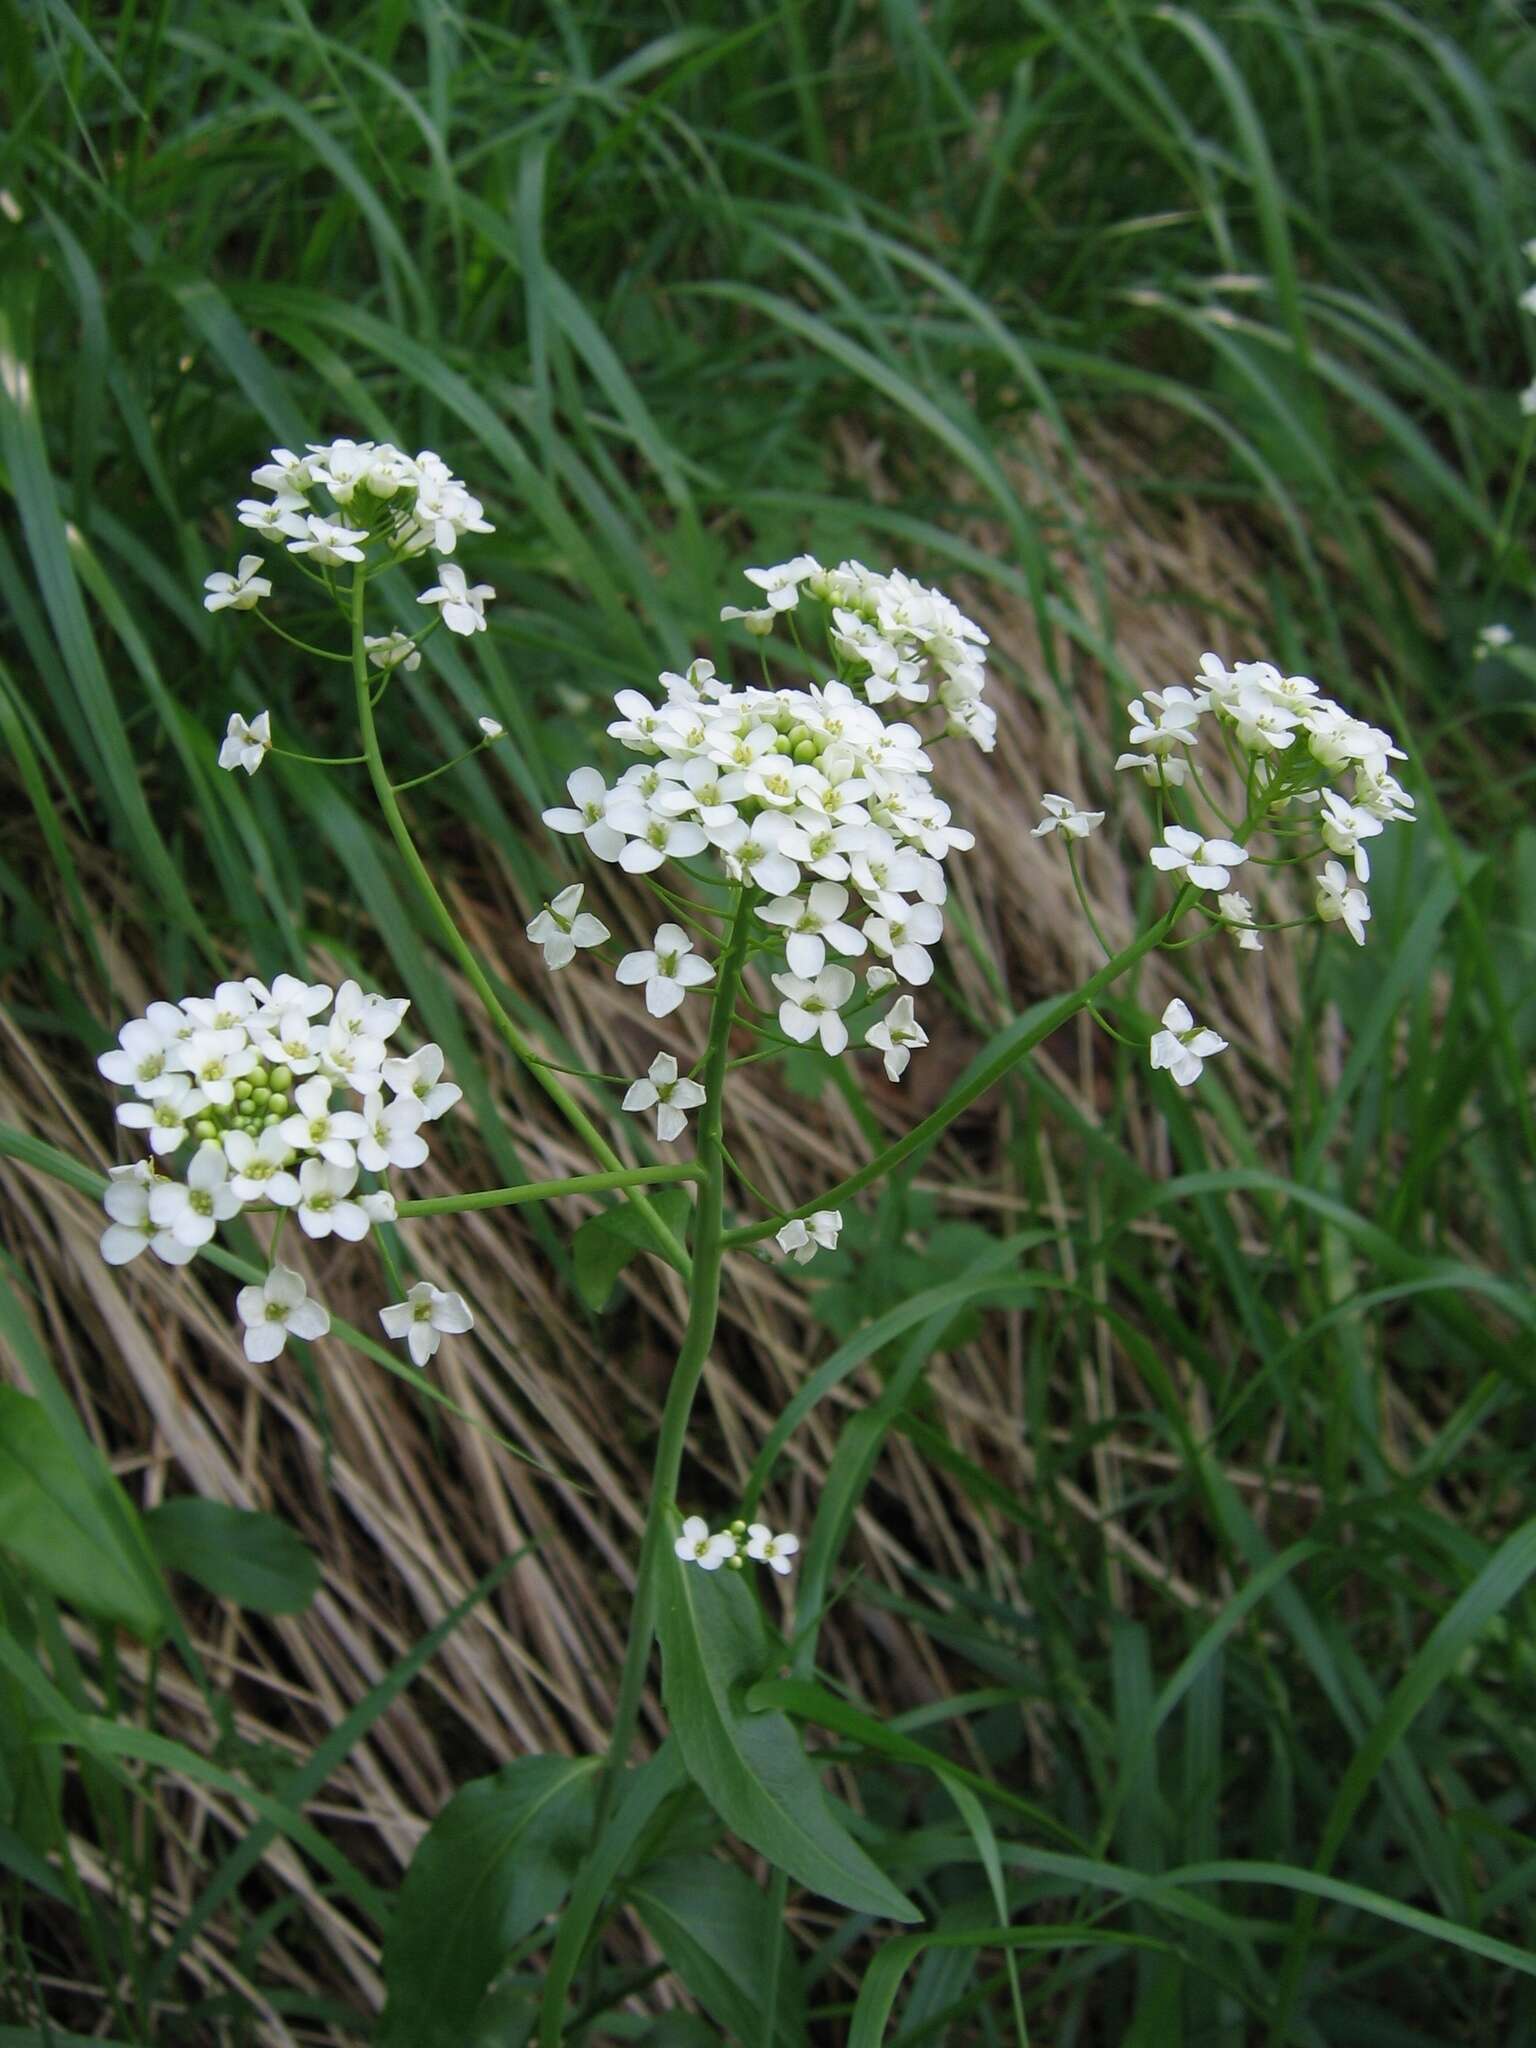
(751,1767)
(605,1244)
(53,1519)
(715,1929)
(497,1860)
(254,1559)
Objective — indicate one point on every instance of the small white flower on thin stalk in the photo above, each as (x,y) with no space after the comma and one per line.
(774,1551)
(589,816)
(810,1008)
(1182,1046)
(666,1093)
(193,1210)
(1207,863)
(132,1228)
(316,1127)
(1063,812)
(1237,916)
(216,1060)
(323,540)
(325,1204)
(781,585)
(392,650)
(278,1309)
(425,1317)
(164,1117)
(1338,903)
(492,728)
(462,603)
(379,1206)
(811,923)
(1158,770)
(246,744)
(697,1546)
(758,623)
(261,1167)
(390,1134)
(240,592)
(667,972)
(803,1236)
(421,1077)
(905,940)
(1490,640)
(1344,826)
(140,1059)
(896,1035)
(562,926)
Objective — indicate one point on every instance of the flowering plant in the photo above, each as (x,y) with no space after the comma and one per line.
(798,852)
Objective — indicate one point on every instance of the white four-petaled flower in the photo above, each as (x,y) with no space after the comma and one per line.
(697,1546)
(462,603)
(246,743)
(803,1236)
(562,926)
(667,971)
(280,1308)
(810,1008)
(666,1093)
(773,1551)
(1338,903)
(1207,863)
(425,1317)
(1182,1046)
(896,1034)
(239,592)
(1062,812)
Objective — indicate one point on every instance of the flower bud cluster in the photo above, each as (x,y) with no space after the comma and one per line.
(239,1089)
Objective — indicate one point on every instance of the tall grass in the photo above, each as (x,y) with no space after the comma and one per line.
(1224,1566)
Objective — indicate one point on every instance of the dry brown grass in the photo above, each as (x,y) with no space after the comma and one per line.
(407,1512)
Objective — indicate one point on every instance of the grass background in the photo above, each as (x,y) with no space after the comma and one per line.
(1141,330)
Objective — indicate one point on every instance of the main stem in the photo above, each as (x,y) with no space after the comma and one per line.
(460,947)
(703,1308)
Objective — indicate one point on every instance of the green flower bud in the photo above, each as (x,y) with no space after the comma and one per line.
(242,1090)
(738,1528)
(277,1103)
(261,1097)
(736,1563)
(259,1077)
(280,1080)
(798,734)
(204,1128)
(781,745)
(269,1120)
(806,752)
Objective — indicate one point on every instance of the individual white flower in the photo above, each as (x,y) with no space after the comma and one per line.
(1337,902)
(192,1210)
(781,585)
(562,926)
(288,993)
(315,1127)
(492,728)
(878,978)
(246,744)
(1344,826)
(165,1116)
(133,1228)
(667,972)
(651,836)
(1261,720)
(282,519)
(1158,770)
(261,1167)
(756,851)
(758,623)
(229,1008)
(1182,1046)
(240,592)
(904,940)
(667,1094)
(278,1309)
(292,1041)
(379,1206)
(421,1077)
(589,815)
(325,1203)
(1207,863)
(390,1134)
(896,1035)
(1528,400)
(766,1548)
(463,604)
(697,1546)
(425,1317)
(811,923)
(1171,722)
(1062,811)
(1490,640)
(810,1008)
(216,1060)
(327,542)
(803,1236)
(1237,916)
(363,1013)
(392,650)
(141,1058)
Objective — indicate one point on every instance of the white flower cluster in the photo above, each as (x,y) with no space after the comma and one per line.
(697,1545)
(807,794)
(412,502)
(1293,745)
(244,1082)
(893,636)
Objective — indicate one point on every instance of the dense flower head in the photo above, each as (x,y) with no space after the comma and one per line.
(278,1096)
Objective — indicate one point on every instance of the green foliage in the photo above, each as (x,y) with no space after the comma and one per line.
(256,1560)
(606,1243)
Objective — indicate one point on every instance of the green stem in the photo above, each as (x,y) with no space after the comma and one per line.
(666,1240)
(987,1077)
(548,1190)
(703,1307)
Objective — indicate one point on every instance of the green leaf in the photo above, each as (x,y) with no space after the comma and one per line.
(498,1858)
(253,1559)
(715,1927)
(605,1244)
(52,1517)
(751,1767)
